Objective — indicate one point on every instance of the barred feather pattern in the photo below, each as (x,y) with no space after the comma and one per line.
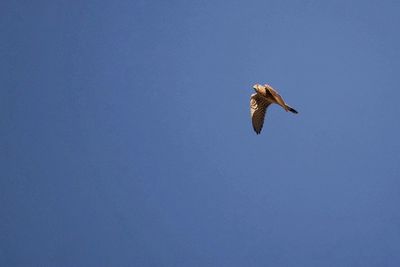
(258,108)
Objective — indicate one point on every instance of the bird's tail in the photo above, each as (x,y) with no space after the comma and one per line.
(289,108)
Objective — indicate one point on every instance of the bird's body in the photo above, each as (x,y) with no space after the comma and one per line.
(259,102)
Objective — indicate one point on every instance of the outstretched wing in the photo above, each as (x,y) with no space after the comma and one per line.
(276,96)
(258,108)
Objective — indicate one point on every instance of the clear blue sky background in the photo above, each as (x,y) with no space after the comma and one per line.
(126,137)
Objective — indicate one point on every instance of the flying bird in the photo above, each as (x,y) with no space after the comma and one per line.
(265,95)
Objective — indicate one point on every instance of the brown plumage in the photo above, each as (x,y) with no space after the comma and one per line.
(259,102)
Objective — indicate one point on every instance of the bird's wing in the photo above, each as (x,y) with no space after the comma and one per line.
(258,108)
(276,96)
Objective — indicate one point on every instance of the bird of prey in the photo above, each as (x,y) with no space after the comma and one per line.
(259,102)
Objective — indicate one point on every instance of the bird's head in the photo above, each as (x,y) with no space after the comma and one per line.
(257,87)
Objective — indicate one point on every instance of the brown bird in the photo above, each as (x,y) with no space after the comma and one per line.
(259,102)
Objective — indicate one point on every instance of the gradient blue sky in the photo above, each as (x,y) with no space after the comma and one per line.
(126,138)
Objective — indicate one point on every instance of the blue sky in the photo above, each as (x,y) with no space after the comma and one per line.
(126,137)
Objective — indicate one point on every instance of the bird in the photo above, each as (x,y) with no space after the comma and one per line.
(264,96)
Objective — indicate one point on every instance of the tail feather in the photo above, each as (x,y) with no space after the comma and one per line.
(291,109)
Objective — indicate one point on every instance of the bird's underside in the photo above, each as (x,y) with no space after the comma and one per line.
(260,101)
